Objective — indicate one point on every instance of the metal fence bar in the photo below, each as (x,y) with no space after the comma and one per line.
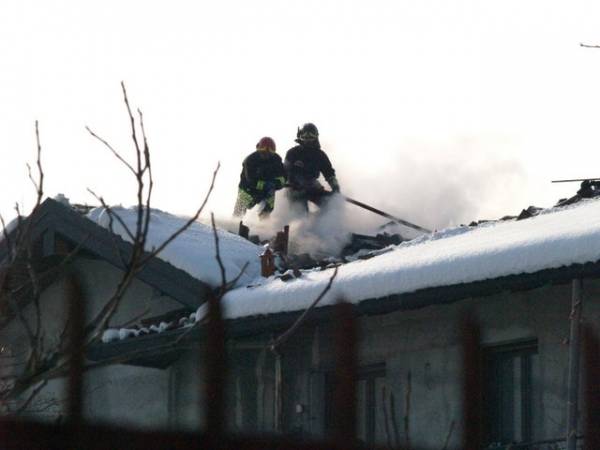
(344,395)
(472,385)
(31,435)
(76,341)
(592,390)
(574,357)
(215,370)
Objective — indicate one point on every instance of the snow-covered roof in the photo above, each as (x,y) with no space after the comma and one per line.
(193,250)
(555,238)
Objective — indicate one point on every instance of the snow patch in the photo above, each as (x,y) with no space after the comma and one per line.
(193,250)
(555,238)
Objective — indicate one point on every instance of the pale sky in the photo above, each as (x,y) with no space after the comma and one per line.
(441,111)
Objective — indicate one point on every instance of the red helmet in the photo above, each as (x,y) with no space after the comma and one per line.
(266,144)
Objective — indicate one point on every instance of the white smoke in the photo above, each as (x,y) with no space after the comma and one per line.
(323,231)
(433,185)
(439,184)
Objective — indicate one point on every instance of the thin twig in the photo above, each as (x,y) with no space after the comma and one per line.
(148,168)
(287,334)
(186,225)
(449,435)
(112,214)
(111,217)
(218,255)
(31,396)
(110,147)
(139,256)
(231,283)
(40,183)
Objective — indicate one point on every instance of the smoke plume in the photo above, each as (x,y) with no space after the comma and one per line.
(434,185)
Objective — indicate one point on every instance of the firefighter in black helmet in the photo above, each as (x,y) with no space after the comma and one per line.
(303,165)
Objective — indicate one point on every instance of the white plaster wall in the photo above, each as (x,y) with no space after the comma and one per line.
(121,394)
(426,342)
(128,396)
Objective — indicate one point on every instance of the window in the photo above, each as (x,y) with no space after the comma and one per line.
(507,396)
(371,388)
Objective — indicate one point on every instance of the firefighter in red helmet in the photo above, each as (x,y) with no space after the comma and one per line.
(262,175)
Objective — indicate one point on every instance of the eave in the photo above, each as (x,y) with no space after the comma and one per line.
(150,347)
(54,224)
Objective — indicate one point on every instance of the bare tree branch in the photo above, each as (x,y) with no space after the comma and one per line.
(43,361)
(32,395)
(286,335)
(139,255)
(110,147)
(190,221)
(111,219)
(218,254)
(449,435)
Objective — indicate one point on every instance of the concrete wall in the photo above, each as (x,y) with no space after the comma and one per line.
(249,391)
(425,343)
(121,394)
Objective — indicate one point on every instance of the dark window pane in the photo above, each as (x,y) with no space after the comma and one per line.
(508,392)
(369,406)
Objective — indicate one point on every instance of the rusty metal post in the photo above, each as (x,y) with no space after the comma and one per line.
(215,370)
(286,235)
(472,385)
(281,242)
(574,357)
(267,263)
(344,395)
(592,390)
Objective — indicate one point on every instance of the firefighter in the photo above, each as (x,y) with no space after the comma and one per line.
(303,165)
(262,175)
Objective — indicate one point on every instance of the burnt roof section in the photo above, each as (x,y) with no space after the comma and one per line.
(54,222)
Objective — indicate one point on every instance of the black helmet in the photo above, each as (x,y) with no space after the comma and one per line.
(308,132)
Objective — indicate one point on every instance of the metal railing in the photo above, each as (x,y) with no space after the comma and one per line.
(547,444)
(75,433)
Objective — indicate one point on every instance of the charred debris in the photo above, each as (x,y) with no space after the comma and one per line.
(276,259)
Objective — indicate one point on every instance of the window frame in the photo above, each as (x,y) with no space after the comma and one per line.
(369,373)
(494,419)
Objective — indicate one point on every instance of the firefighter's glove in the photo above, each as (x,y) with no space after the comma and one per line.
(333,183)
(279,182)
(266,188)
(271,185)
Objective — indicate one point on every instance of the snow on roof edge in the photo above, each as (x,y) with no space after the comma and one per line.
(555,238)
